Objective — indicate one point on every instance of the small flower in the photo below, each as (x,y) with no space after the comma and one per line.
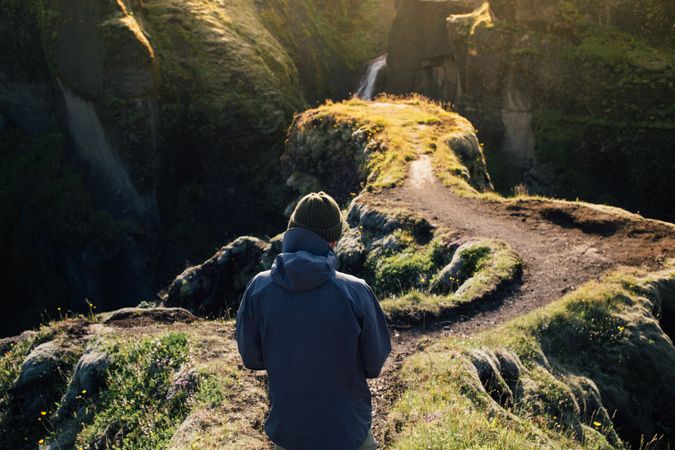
(596,424)
(43,413)
(84,391)
(41,441)
(621,328)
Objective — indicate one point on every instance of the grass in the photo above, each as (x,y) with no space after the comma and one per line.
(484,267)
(10,366)
(400,130)
(136,410)
(570,371)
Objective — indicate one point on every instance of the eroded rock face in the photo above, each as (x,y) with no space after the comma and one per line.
(216,285)
(330,153)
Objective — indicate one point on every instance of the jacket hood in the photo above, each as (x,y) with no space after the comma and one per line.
(306,261)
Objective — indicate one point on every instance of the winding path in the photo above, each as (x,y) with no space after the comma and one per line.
(563,245)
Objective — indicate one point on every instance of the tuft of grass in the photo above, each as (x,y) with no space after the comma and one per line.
(10,367)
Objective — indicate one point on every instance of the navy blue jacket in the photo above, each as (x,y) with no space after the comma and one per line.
(319,334)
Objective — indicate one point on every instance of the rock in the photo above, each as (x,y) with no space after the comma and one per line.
(135,317)
(216,285)
(273,249)
(40,365)
(42,378)
(319,148)
(6,344)
(351,252)
(510,369)
(489,372)
(451,277)
(371,219)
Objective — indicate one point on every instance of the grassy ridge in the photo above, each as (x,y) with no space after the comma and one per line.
(566,376)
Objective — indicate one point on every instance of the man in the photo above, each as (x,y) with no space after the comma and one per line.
(319,334)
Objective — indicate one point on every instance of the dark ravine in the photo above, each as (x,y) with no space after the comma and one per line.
(163,143)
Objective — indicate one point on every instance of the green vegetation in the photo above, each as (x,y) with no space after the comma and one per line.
(477,271)
(10,366)
(565,376)
(136,410)
(221,58)
(394,131)
(402,271)
(329,41)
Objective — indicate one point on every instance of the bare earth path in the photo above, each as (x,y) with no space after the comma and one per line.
(563,246)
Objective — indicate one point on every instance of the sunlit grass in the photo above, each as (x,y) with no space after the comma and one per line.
(561,351)
(407,127)
(489,265)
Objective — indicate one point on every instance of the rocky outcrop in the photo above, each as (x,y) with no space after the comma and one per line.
(345,147)
(215,286)
(559,92)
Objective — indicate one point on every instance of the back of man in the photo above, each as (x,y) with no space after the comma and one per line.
(319,334)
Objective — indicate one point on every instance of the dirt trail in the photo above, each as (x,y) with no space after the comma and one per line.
(563,245)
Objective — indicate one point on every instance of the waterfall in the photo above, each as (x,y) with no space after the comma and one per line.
(94,147)
(368,82)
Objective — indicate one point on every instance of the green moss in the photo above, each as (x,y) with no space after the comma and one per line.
(135,410)
(402,272)
(486,266)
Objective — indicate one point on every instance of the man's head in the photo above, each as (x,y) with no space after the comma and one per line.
(318,212)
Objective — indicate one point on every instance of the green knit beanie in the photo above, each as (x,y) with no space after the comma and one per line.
(318,212)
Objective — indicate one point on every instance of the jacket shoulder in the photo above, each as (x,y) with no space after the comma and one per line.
(352,283)
(259,282)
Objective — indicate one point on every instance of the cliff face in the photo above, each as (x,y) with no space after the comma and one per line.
(164,121)
(571,98)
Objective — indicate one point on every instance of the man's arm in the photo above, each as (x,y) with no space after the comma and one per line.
(374,341)
(248,334)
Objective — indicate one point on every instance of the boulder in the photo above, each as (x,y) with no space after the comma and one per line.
(42,378)
(215,286)
(351,252)
(135,317)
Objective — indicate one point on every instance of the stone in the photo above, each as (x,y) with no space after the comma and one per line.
(130,317)
(351,252)
(215,286)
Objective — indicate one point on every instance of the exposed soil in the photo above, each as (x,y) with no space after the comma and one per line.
(563,245)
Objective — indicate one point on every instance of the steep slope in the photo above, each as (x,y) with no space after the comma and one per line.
(151,131)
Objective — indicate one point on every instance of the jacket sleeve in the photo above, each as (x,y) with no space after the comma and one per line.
(374,341)
(248,334)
